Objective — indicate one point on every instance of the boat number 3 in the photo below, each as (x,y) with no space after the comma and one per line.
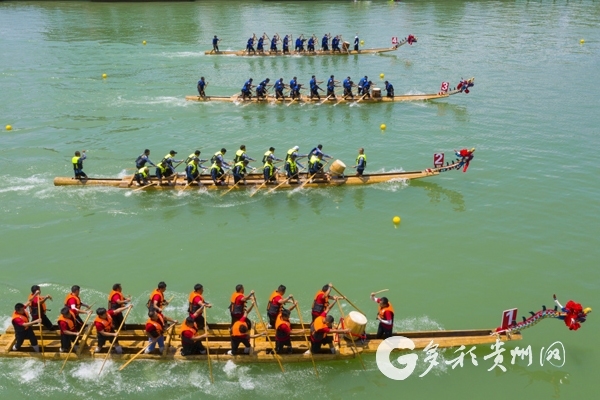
(445,86)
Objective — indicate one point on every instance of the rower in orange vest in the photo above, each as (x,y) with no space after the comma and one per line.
(239,334)
(276,303)
(385,316)
(283,330)
(20,321)
(116,300)
(157,298)
(74,304)
(155,327)
(319,329)
(196,305)
(104,328)
(238,304)
(191,341)
(32,302)
(68,330)
(321,301)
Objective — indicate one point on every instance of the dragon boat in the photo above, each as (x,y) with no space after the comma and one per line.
(345,51)
(254,181)
(375,96)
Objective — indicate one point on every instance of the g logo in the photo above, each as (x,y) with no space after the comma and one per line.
(382,358)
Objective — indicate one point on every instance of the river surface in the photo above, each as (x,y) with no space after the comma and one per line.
(520,225)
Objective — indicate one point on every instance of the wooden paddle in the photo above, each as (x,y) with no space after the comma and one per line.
(345,298)
(233,187)
(326,98)
(278,186)
(115,339)
(352,338)
(140,352)
(168,344)
(381,291)
(267,332)
(195,180)
(307,341)
(313,175)
(363,96)
(39,307)
(260,187)
(131,180)
(207,350)
(76,337)
(144,187)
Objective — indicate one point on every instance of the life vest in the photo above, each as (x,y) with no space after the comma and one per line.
(142,172)
(289,154)
(186,328)
(236,309)
(381,314)
(77,162)
(107,323)
(293,168)
(77,304)
(268,153)
(159,325)
(314,160)
(154,293)
(70,322)
(140,162)
(274,308)
(111,305)
(316,329)
(33,309)
(363,157)
(235,329)
(24,318)
(218,154)
(168,159)
(271,169)
(216,167)
(193,307)
(193,155)
(239,156)
(163,166)
(319,308)
(280,334)
(239,168)
(194,169)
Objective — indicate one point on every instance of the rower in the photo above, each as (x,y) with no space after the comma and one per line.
(201,85)
(220,155)
(325,42)
(250,44)
(279,86)
(217,173)
(196,305)
(191,341)
(465,158)
(74,304)
(270,152)
(169,159)
(239,171)
(314,88)
(261,89)
(157,301)
(294,150)
(283,331)
(68,331)
(276,303)
(311,43)
(300,44)
(215,43)
(163,171)
(385,316)
(335,44)
(361,162)
(274,41)
(142,176)
(22,326)
(239,334)
(361,83)
(142,159)
(37,302)
(347,84)
(195,154)
(155,326)
(331,86)
(286,45)
(260,45)
(321,301)
(318,150)
(356,42)
(319,329)
(247,89)
(291,168)
(238,304)
(241,155)
(77,161)
(269,171)
(366,90)
(315,165)
(192,172)
(294,88)
(390,89)
(104,328)
(116,300)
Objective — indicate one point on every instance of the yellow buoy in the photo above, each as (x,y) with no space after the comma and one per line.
(396,220)
(382,127)
(582,41)
(362,42)
(144,42)
(8,128)
(382,75)
(104,76)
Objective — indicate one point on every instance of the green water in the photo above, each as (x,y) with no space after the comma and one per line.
(519,226)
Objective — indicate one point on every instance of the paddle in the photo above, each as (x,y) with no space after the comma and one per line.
(381,291)
(141,351)
(326,98)
(278,186)
(207,350)
(352,338)
(76,337)
(307,341)
(195,180)
(293,100)
(131,180)
(168,344)
(363,96)
(39,307)
(345,298)
(260,187)
(267,334)
(313,175)
(115,338)
(233,187)
(144,187)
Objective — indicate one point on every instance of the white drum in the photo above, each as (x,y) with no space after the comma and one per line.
(376,93)
(356,322)
(337,168)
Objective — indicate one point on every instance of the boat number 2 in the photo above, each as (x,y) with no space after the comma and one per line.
(438,159)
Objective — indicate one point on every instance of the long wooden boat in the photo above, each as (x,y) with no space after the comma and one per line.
(279,53)
(255,180)
(270,99)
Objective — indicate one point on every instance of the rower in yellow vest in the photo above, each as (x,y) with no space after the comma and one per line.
(270,152)
(192,172)
(77,161)
(361,162)
(269,171)
(291,168)
(241,155)
(239,171)
(217,173)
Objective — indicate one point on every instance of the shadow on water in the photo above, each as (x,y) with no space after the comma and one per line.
(556,378)
(461,113)
(436,193)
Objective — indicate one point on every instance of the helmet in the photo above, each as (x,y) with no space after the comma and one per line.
(296,148)
(473,149)
(587,310)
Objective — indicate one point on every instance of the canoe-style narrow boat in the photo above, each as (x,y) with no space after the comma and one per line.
(254,181)
(344,51)
(375,97)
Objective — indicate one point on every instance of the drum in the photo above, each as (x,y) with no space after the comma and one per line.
(356,322)
(376,93)
(345,46)
(337,168)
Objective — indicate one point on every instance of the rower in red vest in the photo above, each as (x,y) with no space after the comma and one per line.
(23,330)
(275,305)
(74,304)
(157,298)
(321,301)
(116,300)
(191,341)
(466,157)
(68,330)
(283,330)
(319,329)
(196,305)
(385,316)
(104,328)
(238,304)
(32,302)
(240,335)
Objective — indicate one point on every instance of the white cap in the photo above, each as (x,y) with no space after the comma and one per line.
(296,148)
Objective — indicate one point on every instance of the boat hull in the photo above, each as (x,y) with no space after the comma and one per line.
(279,53)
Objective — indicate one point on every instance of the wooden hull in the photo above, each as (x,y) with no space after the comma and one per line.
(255,180)
(266,53)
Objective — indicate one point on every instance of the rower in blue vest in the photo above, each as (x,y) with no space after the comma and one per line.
(192,172)
(367,89)
(215,43)
(294,88)
(274,41)
(361,83)
(311,43)
(361,162)
(325,42)
(347,84)
(261,89)
(314,88)
(318,151)
(78,165)
(286,45)
(356,42)
(269,171)
(279,86)
(331,87)
(217,173)
(300,44)
(201,85)
(142,159)
(260,46)
(247,89)
(390,89)
(250,44)
(335,44)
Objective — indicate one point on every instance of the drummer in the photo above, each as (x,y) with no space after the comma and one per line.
(319,329)
(385,316)
(321,301)
(361,162)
